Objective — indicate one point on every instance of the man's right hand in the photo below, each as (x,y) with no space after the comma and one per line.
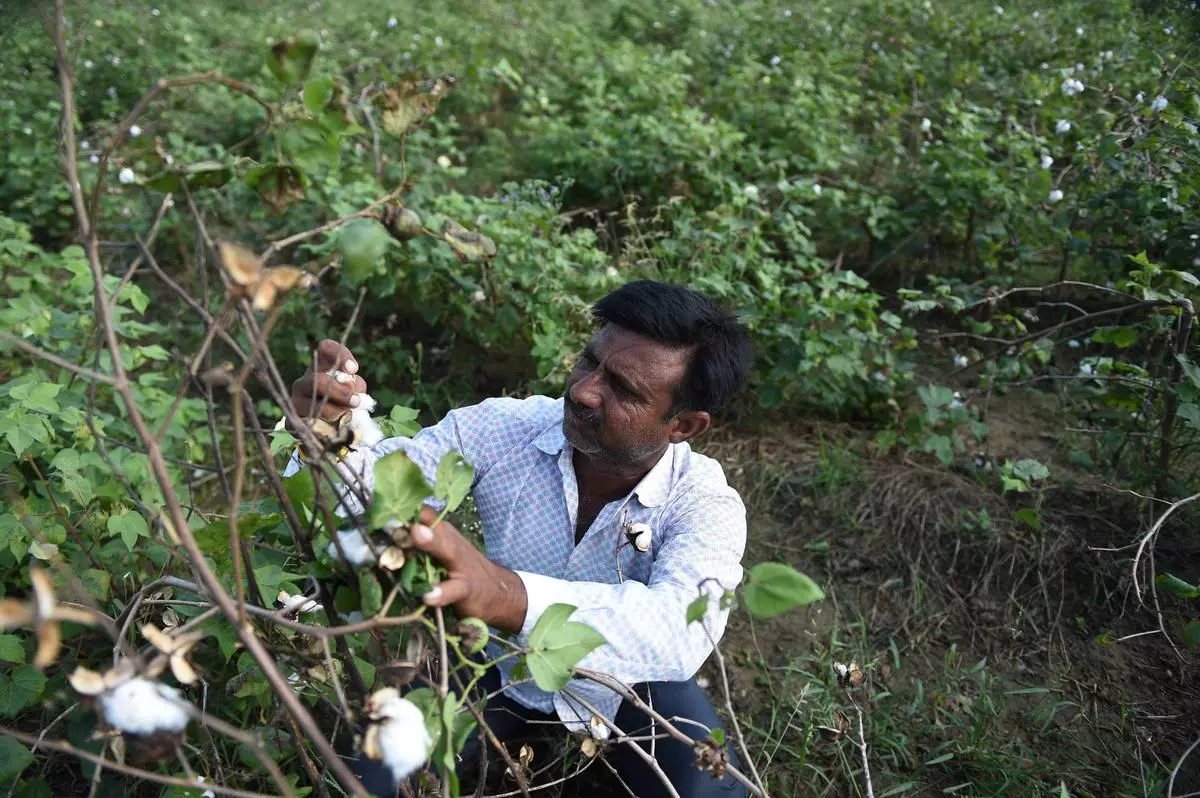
(317,391)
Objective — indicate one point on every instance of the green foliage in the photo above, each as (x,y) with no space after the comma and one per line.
(775,587)
(556,646)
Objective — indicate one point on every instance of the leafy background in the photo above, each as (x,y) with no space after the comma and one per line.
(965,383)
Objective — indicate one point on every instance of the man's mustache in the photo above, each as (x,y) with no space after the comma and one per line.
(583,415)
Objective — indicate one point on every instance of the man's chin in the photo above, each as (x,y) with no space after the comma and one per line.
(579,441)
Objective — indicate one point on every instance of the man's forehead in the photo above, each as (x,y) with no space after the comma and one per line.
(650,362)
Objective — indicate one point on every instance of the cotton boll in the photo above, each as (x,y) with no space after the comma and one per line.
(1073,344)
(598,728)
(640,535)
(1047,162)
(126,176)
(1086,370)
(398,737)
(141,706)
(926,125)
(363,424)
(356,547)
(1055,196)
(1160,103)
(1063,126)
(960,361)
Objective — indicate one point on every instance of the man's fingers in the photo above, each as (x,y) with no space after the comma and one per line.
(310,391)
(441,543)
(447,593)
(332,355)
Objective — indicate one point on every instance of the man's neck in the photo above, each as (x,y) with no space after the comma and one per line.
(607,482)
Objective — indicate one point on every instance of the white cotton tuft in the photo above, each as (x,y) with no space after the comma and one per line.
(361,421)
(355,545)
(926,125)
(1055,196)
(1047,162)
(1063,126)
(598,728)
(141,706)
(404,741)
(1160,103)
(961,361)
(126,176)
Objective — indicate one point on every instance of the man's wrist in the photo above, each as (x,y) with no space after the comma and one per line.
(511,602)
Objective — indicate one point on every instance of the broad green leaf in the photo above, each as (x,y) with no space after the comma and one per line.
(696,610)
(557,645)
(401,422)
(37,396)
(400,488)
(1190,413)
(454,477)
(129,525)
(935,396)
(14,758)
(19,689)
(23,430)
(1175,585)
(301,493)
(317,93)
(370,593)
(718,736)
(775,587)
(1030,470)
(366,670)
(1029,516)
(11,649)
(97,583)
(43,551)
(1190,369)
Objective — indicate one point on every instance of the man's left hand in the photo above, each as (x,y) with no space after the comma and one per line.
(476,586)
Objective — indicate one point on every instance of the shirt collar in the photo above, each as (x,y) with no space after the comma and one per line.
(651,491)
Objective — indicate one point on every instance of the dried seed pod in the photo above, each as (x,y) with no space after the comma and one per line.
(474,633)
(468,246)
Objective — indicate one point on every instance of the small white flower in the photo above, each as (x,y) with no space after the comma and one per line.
(1063,126)
(961,361)
(443,161)
(926,125)
(88,64)
(1079,31)
(1086,369)
(135,131)
(154,12)
(640,536)
(1160,103)
(94,158)
(141,706)
(127,176)
(398,736)
(612,273)
(999,10)
(355,545)
(478,297)
(750,191)
(817,189)
(392,22)
(1047,161)
(1073,344)
(1055,195)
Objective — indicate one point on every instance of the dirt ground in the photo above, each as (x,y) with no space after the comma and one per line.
(993,651)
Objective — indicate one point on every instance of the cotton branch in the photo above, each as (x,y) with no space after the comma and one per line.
(121,386)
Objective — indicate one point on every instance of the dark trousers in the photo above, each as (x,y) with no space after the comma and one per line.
(511,722)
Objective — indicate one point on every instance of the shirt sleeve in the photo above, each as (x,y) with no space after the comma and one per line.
(645,625)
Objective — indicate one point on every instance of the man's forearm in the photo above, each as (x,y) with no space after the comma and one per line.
(511,602)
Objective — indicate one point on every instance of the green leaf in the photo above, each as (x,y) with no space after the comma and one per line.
(557,645)
(1190,370)
(1191,414)
(942,446)
(24,430)
(454,478)
(1030,470)
(1191,634)
(1029,516)
(696,610)
(1120,337)
(718,736)
(1109,146)
(317,93)
(401,422)
(11,649)
(366,670)
(97,583)
(775,587)
(301,493)
(291,59)
(14,758)
(37,396)
(935,396)
(400,488)
(129,525)
(202,174)
(370,593)
(1180,588)
(20,689)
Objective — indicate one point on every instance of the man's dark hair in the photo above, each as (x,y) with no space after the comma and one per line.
(678,316)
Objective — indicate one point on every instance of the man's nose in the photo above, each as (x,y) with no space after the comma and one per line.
(585,392)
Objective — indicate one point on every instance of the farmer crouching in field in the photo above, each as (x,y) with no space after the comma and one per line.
(556,480)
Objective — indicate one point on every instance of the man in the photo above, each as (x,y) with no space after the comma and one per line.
(558,482)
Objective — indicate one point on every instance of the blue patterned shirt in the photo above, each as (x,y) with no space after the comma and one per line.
(527,497)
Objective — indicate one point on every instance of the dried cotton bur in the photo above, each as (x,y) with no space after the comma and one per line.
(397,735)
(43,612)
(597,735)
(639,536)
(524,764)
(150,716)
(849,675)
(249,278)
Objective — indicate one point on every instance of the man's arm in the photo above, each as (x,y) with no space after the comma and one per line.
(646,626)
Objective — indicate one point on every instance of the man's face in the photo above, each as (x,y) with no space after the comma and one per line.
(619,394)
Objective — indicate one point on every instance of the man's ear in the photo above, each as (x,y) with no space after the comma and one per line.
(689,424)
